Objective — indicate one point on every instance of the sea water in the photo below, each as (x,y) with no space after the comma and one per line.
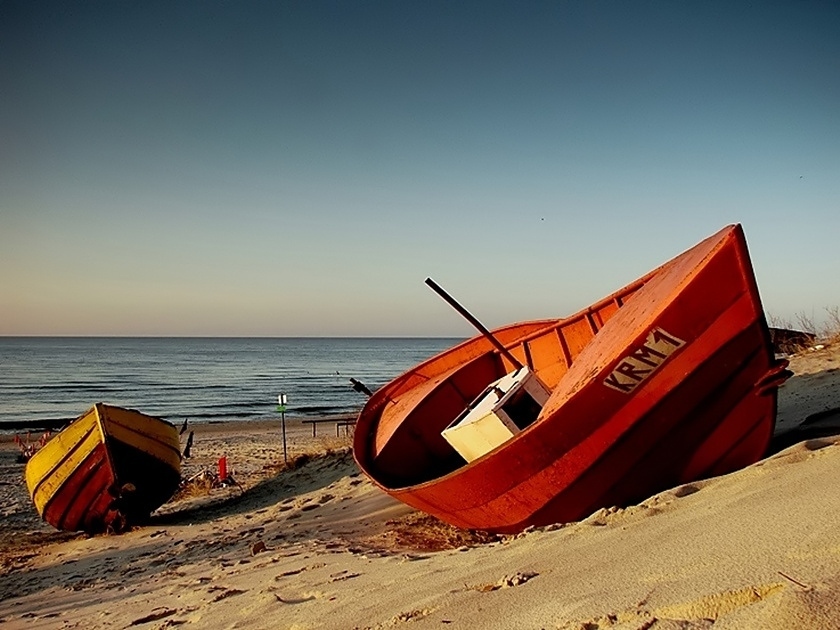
(198,378)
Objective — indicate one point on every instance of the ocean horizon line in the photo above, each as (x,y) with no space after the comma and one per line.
(45,336)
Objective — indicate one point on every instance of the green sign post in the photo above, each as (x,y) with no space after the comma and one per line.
(281,407)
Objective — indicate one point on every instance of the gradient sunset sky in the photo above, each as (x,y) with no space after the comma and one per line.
(299,168)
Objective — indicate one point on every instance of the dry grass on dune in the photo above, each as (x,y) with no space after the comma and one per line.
(825,333)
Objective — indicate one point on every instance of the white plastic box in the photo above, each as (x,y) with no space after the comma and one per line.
(505,408)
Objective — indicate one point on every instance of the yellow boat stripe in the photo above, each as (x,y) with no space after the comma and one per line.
(45,480)
(53,452)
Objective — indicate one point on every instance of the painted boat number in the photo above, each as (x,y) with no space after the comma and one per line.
(643,361)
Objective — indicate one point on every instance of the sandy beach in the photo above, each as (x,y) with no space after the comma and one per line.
(315,545)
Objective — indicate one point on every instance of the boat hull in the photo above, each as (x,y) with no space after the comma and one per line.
(109,469)
(669,380)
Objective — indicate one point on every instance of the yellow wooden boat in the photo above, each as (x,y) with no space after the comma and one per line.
(109,469)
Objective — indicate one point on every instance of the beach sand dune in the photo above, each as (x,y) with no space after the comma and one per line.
(316,545)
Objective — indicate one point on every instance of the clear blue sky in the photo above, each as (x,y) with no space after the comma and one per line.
(299,168)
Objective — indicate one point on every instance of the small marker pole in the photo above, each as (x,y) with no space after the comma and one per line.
(281,407)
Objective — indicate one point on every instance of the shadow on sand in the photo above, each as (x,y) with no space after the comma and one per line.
(317,473)
(817,425)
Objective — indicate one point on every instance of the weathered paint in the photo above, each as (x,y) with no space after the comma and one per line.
(670,379)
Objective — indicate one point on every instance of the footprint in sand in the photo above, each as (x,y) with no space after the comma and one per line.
(294,600)
(684,491)
(411,615)
(224,593)
(508,581)
(311,567)
(155,615)
(343,575)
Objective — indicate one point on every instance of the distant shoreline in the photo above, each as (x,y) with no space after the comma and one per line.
(32,425)
(55,424)
(456,338)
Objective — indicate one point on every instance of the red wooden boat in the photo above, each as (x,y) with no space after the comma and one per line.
(668,380)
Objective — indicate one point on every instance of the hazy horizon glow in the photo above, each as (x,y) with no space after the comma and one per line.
(299,168)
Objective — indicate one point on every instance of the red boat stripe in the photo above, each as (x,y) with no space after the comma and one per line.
(72,499)
(82,509)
